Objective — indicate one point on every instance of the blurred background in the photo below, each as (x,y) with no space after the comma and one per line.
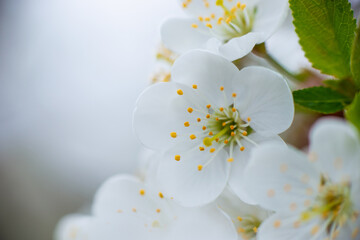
(70,73)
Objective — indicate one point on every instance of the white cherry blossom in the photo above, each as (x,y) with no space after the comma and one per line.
(207,120)
(228,27)
(315,196)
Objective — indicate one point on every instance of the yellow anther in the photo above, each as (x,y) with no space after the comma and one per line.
(238,5)
(232,134)
(200,167)
(199,119)
(314,230)
(194,25)
(207,142)
(212,150)
(244,133)
(228,20)
(161,195)
(208,116)
(239,218)
(221,88)
(219,2)
(184,5)
(242,148)
(217,140)
(212,15)
(233,9)
(210,133)
(234,95)
(190,110)
(134,209)
(173,134)
(194,86)
(201,19)
(208,106)
(180,92)
(217,119)
(224,124)
(201,148)
(177,157)
(220,20)
(204,128)
(207,4)
(232,127)
(248,119)
(221,109)
(186,124)
(207,19)
(241,230)
(226,141)
(142,192)
(158,210)
(192,136)
(209,25)
(243,6)
(277,224)
(255,229)
(233,109)
(230,160)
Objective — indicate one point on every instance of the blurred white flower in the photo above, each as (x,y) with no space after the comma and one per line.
(73,227)
(230,28)
(208,118)
(246,218)
(315,196)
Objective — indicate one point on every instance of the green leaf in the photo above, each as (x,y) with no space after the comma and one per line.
(355,58)
(352,113)
(321,99)
(326,30)
(344,86)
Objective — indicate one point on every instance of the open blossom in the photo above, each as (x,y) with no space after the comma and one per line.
(246,218)
(316,196)
(207,120)
(228,27)
(126,208)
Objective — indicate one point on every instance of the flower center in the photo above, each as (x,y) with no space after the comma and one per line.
(248,226)
(333,203)
(235,21)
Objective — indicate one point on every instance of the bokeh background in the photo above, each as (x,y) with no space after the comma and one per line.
(70,73)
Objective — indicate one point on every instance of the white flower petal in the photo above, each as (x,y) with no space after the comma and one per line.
(269,17)
(186,184)
(197,8)
(282,226)
(335,149)
(239,47)
(241,159)
(178,34)
(264,96)
(161,111)
(280,178)
(208,71)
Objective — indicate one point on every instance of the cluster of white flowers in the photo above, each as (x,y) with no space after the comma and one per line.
(219,169)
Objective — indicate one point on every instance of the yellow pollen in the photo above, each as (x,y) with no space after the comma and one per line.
(239,218)
(200,167)
(161,195)
(212,150)
(192,136)
(226,141)
(238,5)
(221,88)
(242,148)
(209,25)
(212,15)
(255,229)
(119,211)
(277,224)
(194,25)
(217,140)
(207,4)
(173,134)
(134,209)
(228,20)
(142,192)
(221,109)
(208,116)
(204,128)
(220,20)
(190,110)
(234,95)
(224,124)
(230,160)
(201,148)
(233,9)
(177,157)
(248,119)
(233,109)
(241,230)
(217,119)
(199,119)
(208,106)
(210,133)
(207,19)
(232,127)
(194,86)
(184,5)
(314,230)
(201,19)
(243,6)
(232,134)
(158,210)
(244,133)
(186,124)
